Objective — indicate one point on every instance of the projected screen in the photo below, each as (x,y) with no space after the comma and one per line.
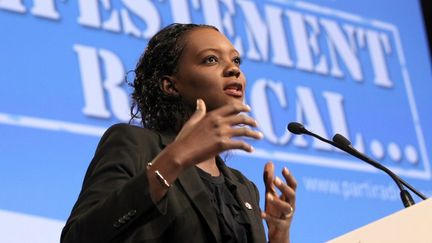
(358,68)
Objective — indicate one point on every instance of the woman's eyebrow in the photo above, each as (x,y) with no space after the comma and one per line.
(208,49)
(231,51)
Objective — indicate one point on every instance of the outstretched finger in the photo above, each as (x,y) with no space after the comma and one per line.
(232,109)
(268,178)
(288,193)
(289,178)
(240,120)
(228,144)
(245,132)
(199,112)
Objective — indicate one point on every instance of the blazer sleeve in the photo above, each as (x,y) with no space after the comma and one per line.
(115,188)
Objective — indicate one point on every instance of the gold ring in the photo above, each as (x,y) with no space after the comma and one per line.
(288,215)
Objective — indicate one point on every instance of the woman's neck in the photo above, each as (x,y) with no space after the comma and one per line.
(209,166)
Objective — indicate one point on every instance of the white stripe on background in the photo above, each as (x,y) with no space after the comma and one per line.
(49,124)
(23,228)
(62,126)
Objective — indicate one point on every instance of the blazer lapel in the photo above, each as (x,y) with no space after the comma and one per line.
(196,191)
(247,205)
(248,208)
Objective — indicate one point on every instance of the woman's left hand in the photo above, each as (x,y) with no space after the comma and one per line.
(279,209)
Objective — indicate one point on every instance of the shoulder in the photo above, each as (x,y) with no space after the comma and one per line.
(124,146)
(128,139)
(127,129)
(129,134)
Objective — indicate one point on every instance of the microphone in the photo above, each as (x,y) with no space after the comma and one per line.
(344,144)
(298,129)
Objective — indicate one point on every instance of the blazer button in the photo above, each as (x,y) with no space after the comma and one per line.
(132,213)
(116,225)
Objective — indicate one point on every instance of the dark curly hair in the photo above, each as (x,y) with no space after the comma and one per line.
(158,110)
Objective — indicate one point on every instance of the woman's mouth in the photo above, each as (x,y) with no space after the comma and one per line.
(234,89)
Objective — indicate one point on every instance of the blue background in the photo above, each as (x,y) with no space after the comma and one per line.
(41,169)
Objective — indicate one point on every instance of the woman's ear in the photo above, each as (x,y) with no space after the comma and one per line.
(168,86)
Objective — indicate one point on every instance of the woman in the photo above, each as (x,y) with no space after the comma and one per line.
(166,182)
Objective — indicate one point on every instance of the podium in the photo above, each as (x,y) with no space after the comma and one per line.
(412,224)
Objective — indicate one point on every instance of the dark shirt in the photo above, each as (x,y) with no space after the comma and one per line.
(232,222)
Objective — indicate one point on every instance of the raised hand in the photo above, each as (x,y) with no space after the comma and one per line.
(202,137)
(205,135)
(279,209)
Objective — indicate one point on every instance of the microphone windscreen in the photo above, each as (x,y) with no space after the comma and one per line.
(341,140)
(296,128)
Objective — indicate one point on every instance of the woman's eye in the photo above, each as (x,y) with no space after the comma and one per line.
(237,60)
(210,59)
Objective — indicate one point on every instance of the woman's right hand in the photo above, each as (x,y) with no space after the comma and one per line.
(205,135)
(202,137)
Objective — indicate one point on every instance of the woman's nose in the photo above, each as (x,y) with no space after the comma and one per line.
(233,70)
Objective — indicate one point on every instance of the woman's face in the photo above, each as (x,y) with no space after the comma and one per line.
(209,68)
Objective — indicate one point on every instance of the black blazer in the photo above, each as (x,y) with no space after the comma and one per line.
(115,205)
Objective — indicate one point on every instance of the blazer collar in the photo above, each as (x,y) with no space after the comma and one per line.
(166,137)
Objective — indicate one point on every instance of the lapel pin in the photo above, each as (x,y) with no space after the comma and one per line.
(248,205)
